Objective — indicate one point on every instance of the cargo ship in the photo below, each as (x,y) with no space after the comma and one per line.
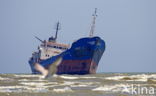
(82,57)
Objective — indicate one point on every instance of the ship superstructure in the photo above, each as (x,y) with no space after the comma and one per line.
(49,48)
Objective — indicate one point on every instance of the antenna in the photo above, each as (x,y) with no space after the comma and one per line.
(53,39)
(39,39)
(57,28)
(93,23)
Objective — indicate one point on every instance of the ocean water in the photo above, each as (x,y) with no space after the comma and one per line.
(101,84)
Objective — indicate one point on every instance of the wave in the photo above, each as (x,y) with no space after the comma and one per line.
(3,78)
(69,77)
(151,80)
(28,75)
(140,77)
(37,84)
(20,89)
(111,88)
(88,77)
(24,80)
(65,89)
(76,77)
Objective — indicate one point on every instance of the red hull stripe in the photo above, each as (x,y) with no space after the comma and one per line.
(88,66)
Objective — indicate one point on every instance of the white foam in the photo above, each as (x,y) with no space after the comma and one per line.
(38,84)
(65,89)
(33,83)
(69,77)
(19,89)
(2,78)
(76,77)
(36,75)
(111,88)
(78,84)
(141,77)
(115,78)
(36,89)
(11,88)
(88,77)
(67,83)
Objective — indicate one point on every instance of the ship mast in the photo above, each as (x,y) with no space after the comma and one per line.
(57,28)
(93,23)
(53,39)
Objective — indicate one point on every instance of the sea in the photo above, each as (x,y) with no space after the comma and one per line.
(100,84)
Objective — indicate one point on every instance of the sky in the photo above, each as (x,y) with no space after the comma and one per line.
(127,26)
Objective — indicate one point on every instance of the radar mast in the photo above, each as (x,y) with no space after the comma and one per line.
(53,39)
(93,23)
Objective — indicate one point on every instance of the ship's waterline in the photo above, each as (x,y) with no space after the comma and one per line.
(101,84)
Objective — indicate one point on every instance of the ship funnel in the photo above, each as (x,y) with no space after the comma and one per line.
(93,23)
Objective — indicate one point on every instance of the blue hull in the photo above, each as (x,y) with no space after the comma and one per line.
(82,58)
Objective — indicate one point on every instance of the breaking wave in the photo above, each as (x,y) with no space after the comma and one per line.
(65,89)
(69,77)
(110,88)
(140,77)
(20,89)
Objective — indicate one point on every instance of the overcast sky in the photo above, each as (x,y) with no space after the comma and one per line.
(127,26)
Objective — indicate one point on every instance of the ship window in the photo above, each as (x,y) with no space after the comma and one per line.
(64,48)
(60,47)
(47,55)
(54,46)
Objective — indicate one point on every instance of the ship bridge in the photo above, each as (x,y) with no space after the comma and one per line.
(50,49)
